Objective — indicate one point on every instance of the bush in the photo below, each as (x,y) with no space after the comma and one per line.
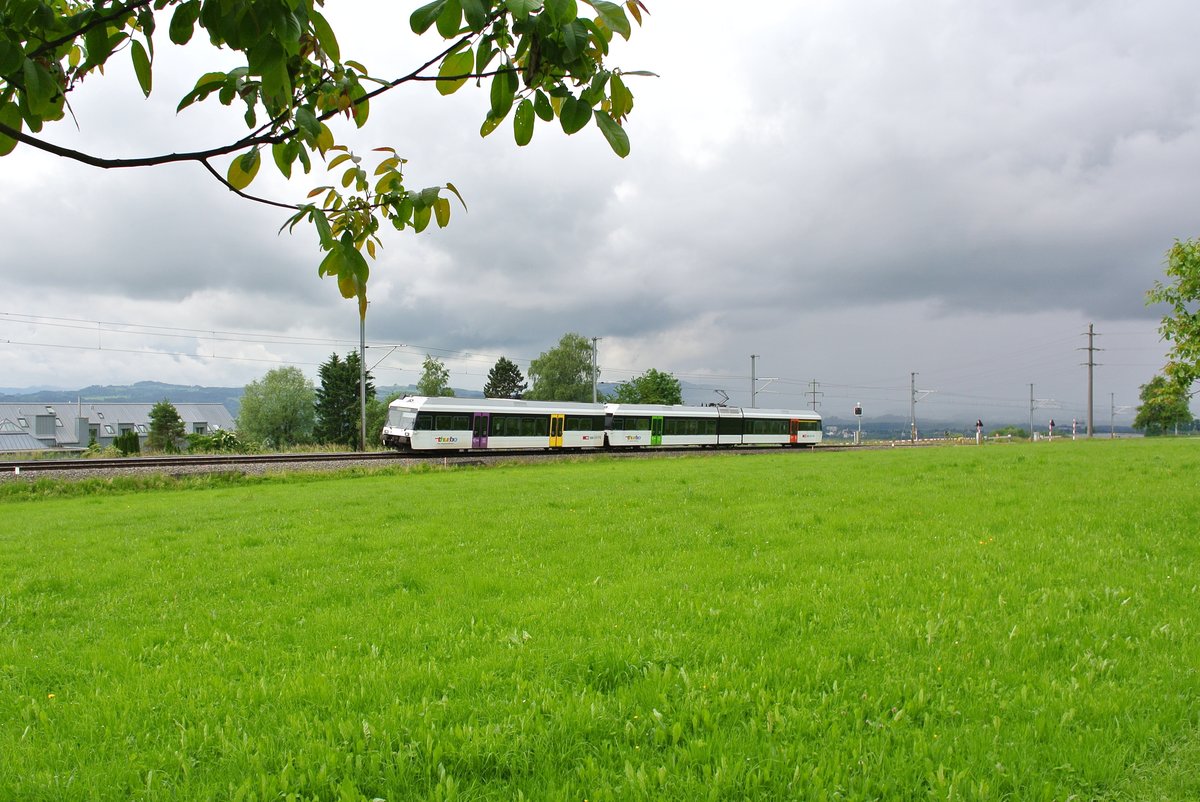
(219,441)
(127,443)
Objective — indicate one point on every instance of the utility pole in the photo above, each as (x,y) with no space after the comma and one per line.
(362,381)
(594,341)
(814,392)
(1113,409)
(1091,364)
(1039,403)
(912,406)
(916,396)
(753,381)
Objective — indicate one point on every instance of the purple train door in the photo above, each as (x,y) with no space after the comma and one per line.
(479,432)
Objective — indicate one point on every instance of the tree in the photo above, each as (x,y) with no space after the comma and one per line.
(1181,326)
(166,427)
(564,373)
(435,379)
(652,387)
(338,403)
(505,380)
(540,57)
(278,410)
(127,443)
(1164,407)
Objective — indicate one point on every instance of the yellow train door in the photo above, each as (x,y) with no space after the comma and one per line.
(556,431)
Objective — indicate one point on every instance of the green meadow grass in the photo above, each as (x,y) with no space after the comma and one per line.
(1002,623)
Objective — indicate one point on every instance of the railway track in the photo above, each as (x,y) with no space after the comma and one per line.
(216,462)
(167,463)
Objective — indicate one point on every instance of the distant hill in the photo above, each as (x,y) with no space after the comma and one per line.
(147,392)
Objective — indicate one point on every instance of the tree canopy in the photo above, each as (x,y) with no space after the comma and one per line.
(166,427)
(278,410)
(563,373)
(1164,407)
(337,400)
(652,387)
(1181,326)
(435,378)
(505,380)
(540,57)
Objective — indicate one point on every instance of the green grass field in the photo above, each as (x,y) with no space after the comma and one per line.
(1011,622)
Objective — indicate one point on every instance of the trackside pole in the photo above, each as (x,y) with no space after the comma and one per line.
(979,432)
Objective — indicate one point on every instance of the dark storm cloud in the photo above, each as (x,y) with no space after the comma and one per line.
(788,180)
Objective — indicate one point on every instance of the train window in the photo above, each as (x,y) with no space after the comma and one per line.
(424,422)
(767,427)
(729,425)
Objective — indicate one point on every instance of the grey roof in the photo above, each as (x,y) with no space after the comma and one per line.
(13,439)
(213,416)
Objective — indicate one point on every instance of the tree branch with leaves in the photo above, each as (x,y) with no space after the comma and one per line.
(541,57)
(1181,326)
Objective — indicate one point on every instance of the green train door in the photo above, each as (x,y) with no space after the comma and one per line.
(556,431)
(656,430)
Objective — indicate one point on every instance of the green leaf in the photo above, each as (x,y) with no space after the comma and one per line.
(575,114)
(522,8)
(622,98)
(323,230)
(10,115)
(475,13)
(617,138)
(355,262)
(347,286)
(457,194)
(421,218)
(457,64)
(441,210)
(332,264)
(542,107)
(504,91)
(324,138)
(40,89)
(243,169)
(490,124)
(362,107)
(523,122)
(426,15)
(449,22)
(141,66)
(325,36)
(307,121)
(574,36)
(562,11)
(283,154)
(613,16)
(183,22)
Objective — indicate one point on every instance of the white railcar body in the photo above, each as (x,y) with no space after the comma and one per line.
(453,424)
(422,423)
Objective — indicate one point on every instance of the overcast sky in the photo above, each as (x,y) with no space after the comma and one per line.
(853,191)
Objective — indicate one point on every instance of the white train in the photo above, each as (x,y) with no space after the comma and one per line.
(460,424)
